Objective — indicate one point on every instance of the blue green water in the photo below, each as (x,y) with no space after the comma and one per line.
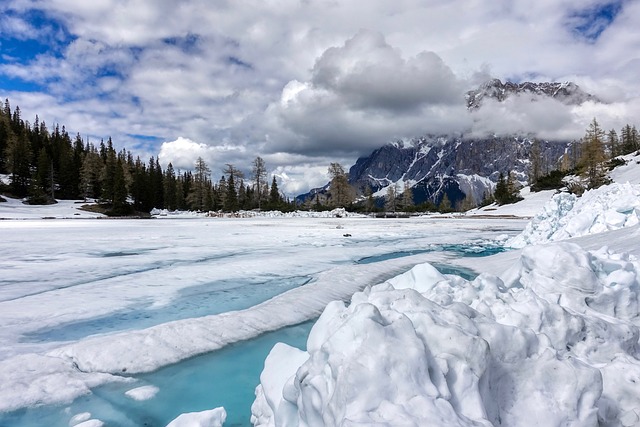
(196,301)
(227,377)
(463,250)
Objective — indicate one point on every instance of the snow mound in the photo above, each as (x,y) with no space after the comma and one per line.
(610,207)
(335,213)
(556,341)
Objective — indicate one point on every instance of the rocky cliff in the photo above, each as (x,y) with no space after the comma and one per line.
(458,165)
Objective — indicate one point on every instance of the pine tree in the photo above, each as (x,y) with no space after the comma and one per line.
(119,205)
(198,192)
(391,198)
(445,204)
(467,203)
(274,194)
(370,203)
(340,190)
(614,143)
(259,172)
(231,199)
(170,189)
(18,157)
(593,155)
(407,198)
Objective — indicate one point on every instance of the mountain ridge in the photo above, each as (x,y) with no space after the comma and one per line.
(461,165)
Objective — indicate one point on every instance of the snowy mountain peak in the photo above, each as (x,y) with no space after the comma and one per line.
(565,92)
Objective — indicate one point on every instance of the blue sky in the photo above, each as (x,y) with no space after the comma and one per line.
(306,83)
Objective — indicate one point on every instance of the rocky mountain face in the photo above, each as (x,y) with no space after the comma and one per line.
(568,93)
(457,165)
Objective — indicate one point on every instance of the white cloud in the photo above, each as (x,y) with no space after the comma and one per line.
(261,78)
(183,153)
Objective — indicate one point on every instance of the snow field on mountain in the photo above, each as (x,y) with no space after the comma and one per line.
(554,340)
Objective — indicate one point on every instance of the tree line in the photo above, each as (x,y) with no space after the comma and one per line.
(44,165)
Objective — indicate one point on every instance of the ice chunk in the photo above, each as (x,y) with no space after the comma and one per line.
(211,418)
(142,393)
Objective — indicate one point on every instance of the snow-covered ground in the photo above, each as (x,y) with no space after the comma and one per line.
(547,333)
(86,302)
(15,209)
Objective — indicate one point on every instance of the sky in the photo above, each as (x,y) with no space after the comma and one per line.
(309,82)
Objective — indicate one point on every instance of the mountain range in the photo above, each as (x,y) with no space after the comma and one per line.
(457,165)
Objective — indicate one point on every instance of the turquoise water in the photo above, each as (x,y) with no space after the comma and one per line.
(227,377)
(196,301)
(463,250)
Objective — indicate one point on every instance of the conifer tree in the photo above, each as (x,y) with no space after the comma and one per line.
(407,198)
(231,199)
(370,203)
(593,155)
(340,191)
(170,188)
(445,204)
(198,192)
(18,157)
(259,176)
(274,194)
(391,198)
(614,143)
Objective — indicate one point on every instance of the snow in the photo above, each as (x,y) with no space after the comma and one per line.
(65,283)
(526,208)
(212,418)
(609,207)
(554,340)
(143,393)
(630,172)
(548,333)
(15,209)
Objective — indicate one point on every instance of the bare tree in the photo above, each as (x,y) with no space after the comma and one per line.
(259,177)
(341,192)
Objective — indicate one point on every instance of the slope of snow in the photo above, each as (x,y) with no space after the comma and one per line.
(609,207)
(15,209)
(630,172)
(555,341)
(526,208)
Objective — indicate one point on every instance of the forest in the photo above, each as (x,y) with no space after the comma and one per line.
(44,165)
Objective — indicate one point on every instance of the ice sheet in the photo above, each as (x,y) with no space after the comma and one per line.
(63,274)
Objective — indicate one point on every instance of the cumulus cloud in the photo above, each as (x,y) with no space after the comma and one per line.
(364,93)
(262,78)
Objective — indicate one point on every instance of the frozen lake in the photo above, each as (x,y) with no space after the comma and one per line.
(91,308)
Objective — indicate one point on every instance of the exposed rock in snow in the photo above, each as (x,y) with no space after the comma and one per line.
(556,341)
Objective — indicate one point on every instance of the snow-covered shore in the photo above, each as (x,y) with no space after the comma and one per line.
(550,338)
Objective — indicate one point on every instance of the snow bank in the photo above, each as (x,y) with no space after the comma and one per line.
(335,213)
(556,341)
(603,209)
